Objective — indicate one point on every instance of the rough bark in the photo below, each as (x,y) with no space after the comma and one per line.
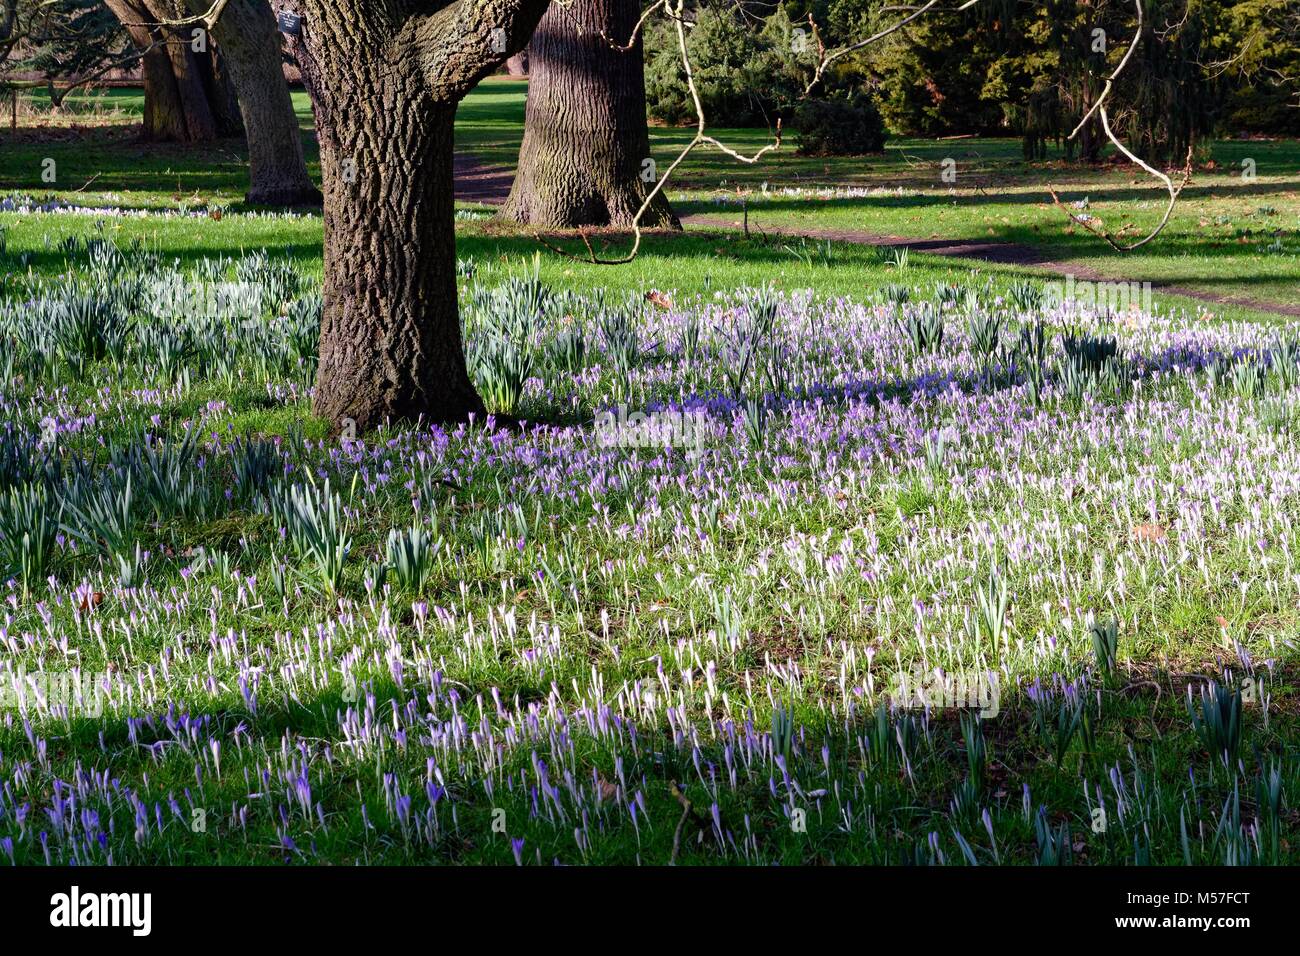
(517,65)
(199,117)
(385,80)
(249,45)
(585,156)
(164,111)
(219,90)
(164,118)
(177,104)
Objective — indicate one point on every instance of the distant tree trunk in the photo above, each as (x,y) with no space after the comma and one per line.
(249,43)
(517,65)
(164,113)
(585,157)
(199,116)
(164,117)
(176,105)
(385,81)
(1091,137)
(219,88)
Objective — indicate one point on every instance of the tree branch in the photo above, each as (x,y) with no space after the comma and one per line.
(461,43)
(208,18)
(1099,107)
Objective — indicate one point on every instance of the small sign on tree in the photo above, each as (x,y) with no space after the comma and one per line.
(289,23)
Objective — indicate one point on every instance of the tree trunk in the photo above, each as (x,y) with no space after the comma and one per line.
(176,107)
(385,84)
(199,117)
(164,112)
(164,117)
(517,65)
(390,335)
(219,90)
(1091,137)
(585,159)
(249,43)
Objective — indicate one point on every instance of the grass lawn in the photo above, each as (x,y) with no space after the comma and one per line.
(428,645)
(819,556)
(1229,238)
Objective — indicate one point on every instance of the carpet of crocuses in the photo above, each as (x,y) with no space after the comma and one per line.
(946,575)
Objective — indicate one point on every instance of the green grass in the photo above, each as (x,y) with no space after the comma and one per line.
(1217,241)
(1228,238)
(795,573)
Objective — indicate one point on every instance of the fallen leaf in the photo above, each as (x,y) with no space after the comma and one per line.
(657,298)
(1149,532)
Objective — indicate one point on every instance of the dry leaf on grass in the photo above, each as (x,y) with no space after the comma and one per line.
(1149,532)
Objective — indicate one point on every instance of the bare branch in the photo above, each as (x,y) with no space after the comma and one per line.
(207,19)
(1099,107)
(1174,192)
(700,138)
(826,59)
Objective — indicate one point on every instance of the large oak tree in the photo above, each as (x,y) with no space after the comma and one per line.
(585,157)
(385,78)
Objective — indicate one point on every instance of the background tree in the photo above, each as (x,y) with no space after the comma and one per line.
(1030,67)
(249,45)
(12,30)
(1042,64)
(585,157)
(187,96)
(73,41)
(1169,106)
(749,65)
(79,40)
(1254,60)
